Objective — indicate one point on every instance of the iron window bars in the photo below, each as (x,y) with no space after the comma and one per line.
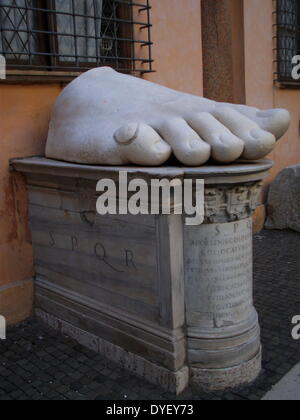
(287,39)
(75,35)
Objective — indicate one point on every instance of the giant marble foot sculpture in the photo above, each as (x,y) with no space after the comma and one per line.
(104,117)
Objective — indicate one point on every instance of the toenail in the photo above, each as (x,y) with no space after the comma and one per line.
(161,147)
(127,135)
(194,144)
(223,139)
(265,114)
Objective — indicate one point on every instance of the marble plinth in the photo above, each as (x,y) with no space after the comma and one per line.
(171,303)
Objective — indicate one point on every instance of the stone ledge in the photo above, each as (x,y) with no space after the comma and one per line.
(241,171)
(174,382)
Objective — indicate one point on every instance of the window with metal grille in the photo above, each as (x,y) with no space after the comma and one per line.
(288,39)
(71,36)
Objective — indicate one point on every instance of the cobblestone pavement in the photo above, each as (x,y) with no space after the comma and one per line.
(39,364)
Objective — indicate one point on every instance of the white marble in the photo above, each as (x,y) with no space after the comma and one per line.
(219,273)
(107,118)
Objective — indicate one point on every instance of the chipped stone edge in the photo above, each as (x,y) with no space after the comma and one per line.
(211,380)
(174,382)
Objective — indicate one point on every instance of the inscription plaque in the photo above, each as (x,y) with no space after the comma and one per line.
(101,262)
(218,265)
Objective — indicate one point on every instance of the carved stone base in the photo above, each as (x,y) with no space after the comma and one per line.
(174,382)
(229,378)
(160,298)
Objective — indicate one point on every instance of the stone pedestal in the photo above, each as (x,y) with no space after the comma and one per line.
(169,302)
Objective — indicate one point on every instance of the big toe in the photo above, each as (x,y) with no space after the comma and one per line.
(142,145)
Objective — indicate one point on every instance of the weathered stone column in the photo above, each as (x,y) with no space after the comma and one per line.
(223,333)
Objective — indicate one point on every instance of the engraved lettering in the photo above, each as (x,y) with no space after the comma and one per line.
(129,259)
(219,271)
(100,253)
(74,241)
(52,240)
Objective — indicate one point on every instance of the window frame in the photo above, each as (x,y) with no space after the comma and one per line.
(280,78)
(126,37)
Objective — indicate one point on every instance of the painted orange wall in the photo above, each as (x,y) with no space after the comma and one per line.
(177,48)
(260,89)
(25,112)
